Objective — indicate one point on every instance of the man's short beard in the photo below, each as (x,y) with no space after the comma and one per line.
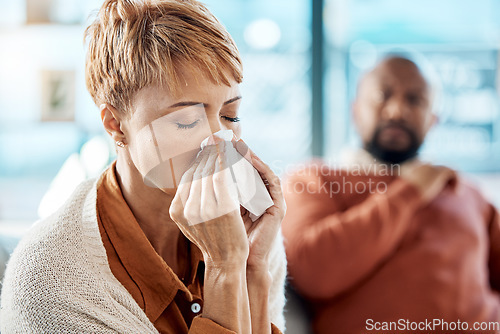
(393,156)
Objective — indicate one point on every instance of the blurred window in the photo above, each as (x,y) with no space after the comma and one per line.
(456,43)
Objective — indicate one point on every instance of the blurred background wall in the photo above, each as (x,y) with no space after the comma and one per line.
(302,59)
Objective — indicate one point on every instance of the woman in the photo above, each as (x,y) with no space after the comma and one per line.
(157,243)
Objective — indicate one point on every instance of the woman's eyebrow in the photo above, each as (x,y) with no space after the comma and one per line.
(185,104)
(192,103)
(234,99)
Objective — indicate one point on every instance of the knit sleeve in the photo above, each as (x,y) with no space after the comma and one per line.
(58,281)
(45,293)
(330,253)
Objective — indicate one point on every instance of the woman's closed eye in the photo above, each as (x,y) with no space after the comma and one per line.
(231,119)
(183,126)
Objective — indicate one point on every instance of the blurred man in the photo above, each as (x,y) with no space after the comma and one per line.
(391,244)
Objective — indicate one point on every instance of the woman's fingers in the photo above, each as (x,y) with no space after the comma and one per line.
(226,192)
(210,217)
(192,206)
(244,150)
(209,207)
(182,192)
(271,180)
(245,215)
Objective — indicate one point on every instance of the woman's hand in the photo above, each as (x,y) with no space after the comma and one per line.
(261,236)
(206,209)
(263,232)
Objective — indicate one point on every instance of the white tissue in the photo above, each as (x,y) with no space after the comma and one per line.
(252,193)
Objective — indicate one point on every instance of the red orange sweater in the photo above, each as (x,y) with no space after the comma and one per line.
(364,258)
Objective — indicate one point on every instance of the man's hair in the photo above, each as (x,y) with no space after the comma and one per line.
(136,43)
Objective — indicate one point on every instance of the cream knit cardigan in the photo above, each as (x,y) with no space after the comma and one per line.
(58,279)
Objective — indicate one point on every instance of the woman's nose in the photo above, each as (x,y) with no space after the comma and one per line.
(215,123)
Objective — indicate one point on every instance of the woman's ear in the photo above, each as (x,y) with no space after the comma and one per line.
(112,122)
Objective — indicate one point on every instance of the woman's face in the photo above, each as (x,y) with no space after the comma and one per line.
(165,130)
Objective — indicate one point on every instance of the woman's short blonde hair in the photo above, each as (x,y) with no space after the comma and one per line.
(135,43)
